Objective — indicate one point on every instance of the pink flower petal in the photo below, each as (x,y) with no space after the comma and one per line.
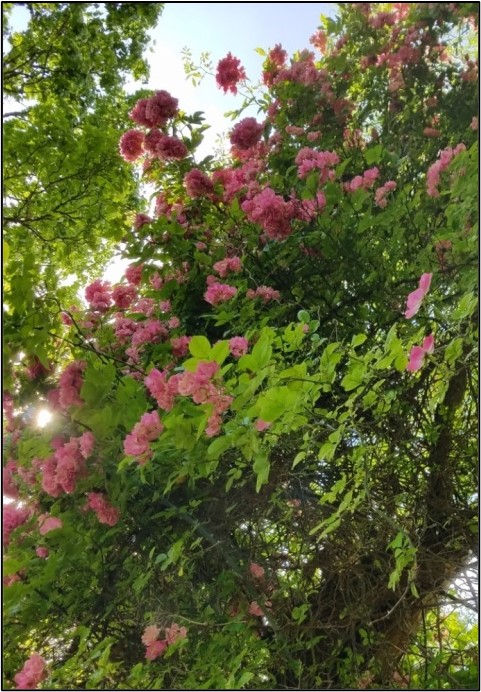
(425,282)
(428,344)
(416,359)
(415,298)
(414,301)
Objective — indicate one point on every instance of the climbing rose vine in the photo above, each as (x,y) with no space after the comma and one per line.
(259,469)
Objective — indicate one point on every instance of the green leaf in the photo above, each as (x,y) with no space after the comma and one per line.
(340,168)
(245,677)
(337,488)
(299,613)
(219,352)
(261,469)
(303,316)
(330,525)
(262,352)
(467,305)
(354,377)
(329,360)
(327,451)
(373,154)
(6,252)
(300,456)
(200,347)
(358,339)
(454,350)
(218,446)
(98,383)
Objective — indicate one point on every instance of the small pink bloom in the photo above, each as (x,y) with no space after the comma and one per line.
(8,479)
(42,552)
(156,281)
(415,298)
(106,513)
(32,673)
(213,425)
(173,323)
(162,389)
(319,41)
(13,516)
(47,524)
(180,346)
(152,140)
(155,649)
(382,191)
(277,55)
(246,134)
(257,571)
(262,425)
(219,293)
(198,184)
(140,220)
(171,148)
(66,319)
(294,130)
(146,430)
(370,176)
(137,113)
(238,346)
(356,183)
(265,292)
(229,73)
(255,609)
(150,635)
(174,633)
(309,159)
(131,145)
(229,264)
(159,108)
(124,295)
(133,274)
(98,295)
(87,443)
(433,176)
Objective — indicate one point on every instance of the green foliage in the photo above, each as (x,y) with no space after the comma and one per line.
(67,195)
(307,501)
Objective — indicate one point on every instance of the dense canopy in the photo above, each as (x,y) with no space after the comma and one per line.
(261,467)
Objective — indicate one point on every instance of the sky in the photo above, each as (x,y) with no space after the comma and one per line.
(219,28)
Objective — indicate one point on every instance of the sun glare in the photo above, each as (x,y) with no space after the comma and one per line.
(44,417)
